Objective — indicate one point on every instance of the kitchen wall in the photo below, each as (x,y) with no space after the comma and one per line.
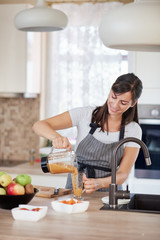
(17,116)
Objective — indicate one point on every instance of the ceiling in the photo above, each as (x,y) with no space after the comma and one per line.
(50,2)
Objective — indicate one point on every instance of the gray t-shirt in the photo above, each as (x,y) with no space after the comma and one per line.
(81,118)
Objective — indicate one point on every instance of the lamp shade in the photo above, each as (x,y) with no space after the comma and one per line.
(133,27)
(41,19)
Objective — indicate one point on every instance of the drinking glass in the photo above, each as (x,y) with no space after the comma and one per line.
(77,183)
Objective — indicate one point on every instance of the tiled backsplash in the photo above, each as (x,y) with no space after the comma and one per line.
(17,138)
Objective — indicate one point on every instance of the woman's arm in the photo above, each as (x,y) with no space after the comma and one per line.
(128,160)
(47,128)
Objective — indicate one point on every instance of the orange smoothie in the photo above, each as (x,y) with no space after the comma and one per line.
(64,168)
(77,185)
(60,168)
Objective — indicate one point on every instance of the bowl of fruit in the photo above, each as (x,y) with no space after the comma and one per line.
(15,191)
(70,205)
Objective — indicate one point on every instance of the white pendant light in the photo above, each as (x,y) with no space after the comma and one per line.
(133,27)
(41,19)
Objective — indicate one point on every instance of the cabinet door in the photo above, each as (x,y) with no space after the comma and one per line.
(12,51)
(147,68)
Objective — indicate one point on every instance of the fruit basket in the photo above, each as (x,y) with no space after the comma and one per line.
(15,191)
(12,201)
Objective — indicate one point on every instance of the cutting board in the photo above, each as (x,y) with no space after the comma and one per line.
(48,192)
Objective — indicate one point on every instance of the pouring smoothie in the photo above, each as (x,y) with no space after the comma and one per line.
(63,162)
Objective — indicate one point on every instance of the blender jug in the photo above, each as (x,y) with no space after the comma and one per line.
(58,161)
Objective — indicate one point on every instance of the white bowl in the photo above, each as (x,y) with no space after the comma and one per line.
(29,215)
(58,206)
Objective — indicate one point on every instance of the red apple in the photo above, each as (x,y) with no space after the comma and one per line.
(15,189)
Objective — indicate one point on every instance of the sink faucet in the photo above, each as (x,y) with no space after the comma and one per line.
(114,193)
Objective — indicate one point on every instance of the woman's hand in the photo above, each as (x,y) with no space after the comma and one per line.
(90,184)
(61,142)
(48,128)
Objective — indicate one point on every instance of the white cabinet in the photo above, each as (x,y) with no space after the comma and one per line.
(146,186)
(147,68)
(19,54)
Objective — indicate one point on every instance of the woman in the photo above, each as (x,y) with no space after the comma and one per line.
(99,129)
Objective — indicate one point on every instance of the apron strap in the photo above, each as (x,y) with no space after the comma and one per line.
(91,169)
(121,134)
(93,126)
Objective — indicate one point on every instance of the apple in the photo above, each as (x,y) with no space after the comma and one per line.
(5,180)
(23,179)
(2,191)
(1,173)
(15,189)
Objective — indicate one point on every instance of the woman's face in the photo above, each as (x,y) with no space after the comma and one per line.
(118,104)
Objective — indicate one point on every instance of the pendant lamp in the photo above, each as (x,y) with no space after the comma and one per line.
(41,18)
(132,27)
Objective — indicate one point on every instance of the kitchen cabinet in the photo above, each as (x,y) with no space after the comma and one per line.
(20,54)
(142,185)
(146,186)
(147,68)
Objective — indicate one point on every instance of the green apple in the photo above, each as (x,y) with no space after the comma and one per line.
(23,179)
(2,191)
(1,173)
(5,180)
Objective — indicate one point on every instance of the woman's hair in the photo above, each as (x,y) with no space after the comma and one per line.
(124,83)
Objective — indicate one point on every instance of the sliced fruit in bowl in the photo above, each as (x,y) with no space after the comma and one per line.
(70,205)
(29,212)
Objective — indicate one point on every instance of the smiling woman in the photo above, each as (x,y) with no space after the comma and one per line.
(98,132)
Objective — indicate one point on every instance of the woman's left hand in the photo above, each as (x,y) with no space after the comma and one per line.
(90,184)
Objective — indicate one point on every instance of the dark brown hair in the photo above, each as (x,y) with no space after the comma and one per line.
(124,83)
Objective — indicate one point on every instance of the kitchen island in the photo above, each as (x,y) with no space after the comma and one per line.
(92,224)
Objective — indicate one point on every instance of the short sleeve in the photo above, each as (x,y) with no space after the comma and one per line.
(79,114)
(133,129)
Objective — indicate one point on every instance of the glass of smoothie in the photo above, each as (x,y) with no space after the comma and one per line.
(77,184)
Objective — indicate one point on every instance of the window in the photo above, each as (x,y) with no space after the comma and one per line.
(80,69)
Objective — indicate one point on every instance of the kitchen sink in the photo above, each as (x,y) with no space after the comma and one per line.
(144,203)
(10,163)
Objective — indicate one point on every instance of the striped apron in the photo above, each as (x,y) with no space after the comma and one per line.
(94,157)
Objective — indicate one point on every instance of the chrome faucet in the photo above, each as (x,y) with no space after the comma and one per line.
(114,193)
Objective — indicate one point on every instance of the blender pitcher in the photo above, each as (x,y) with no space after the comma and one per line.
(59,161)
(63,161)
